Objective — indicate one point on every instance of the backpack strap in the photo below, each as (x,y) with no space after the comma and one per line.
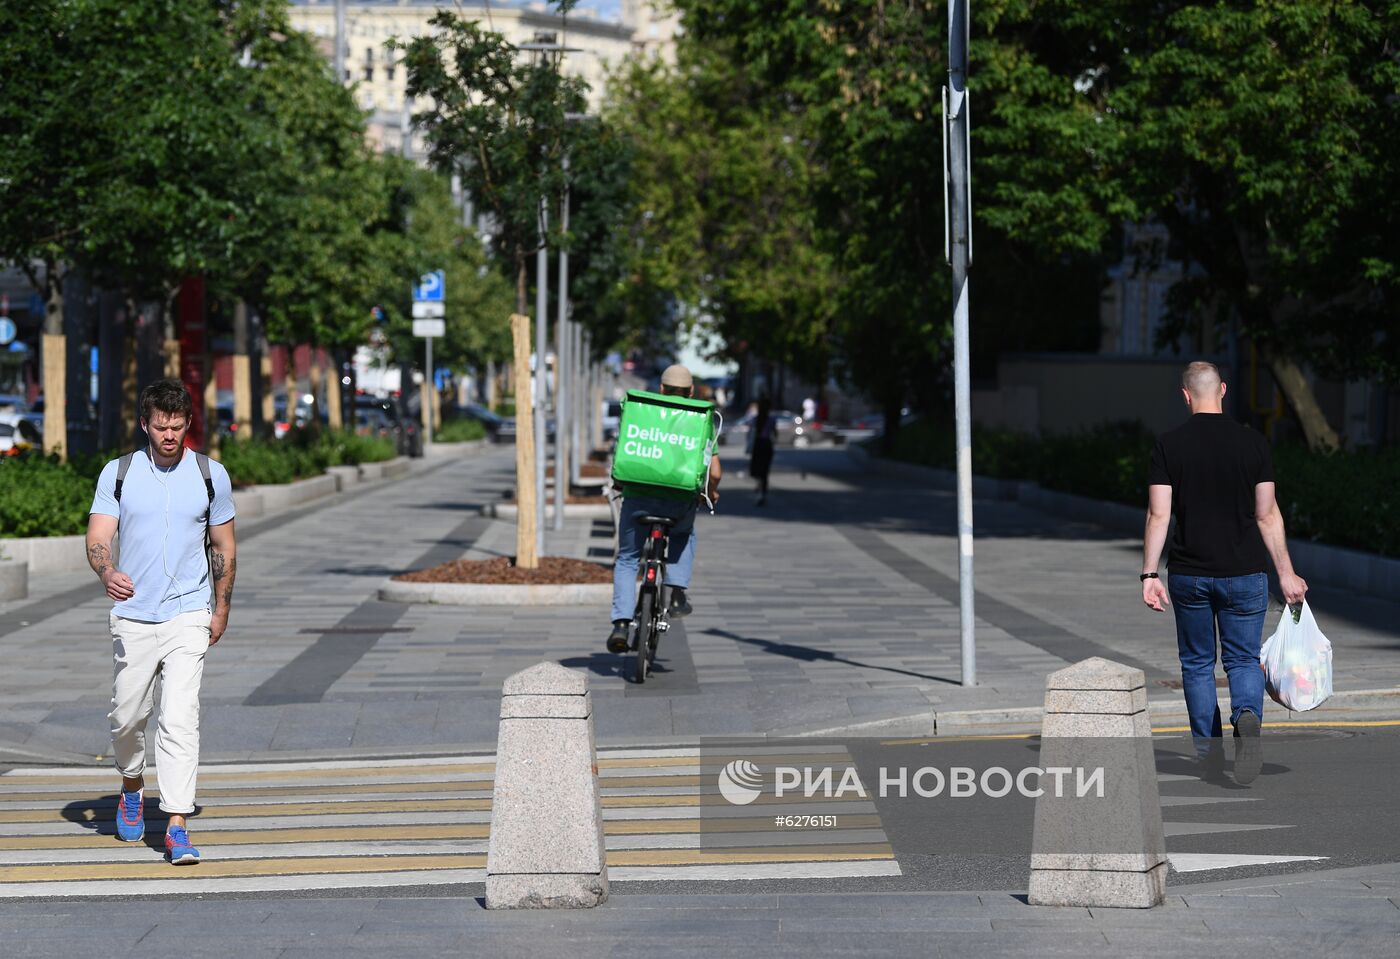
(203,462)
(123,465)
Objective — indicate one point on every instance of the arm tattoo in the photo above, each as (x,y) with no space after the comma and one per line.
(222,569)
(98,558)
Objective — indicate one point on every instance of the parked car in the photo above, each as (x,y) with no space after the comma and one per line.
(381,417)
(486,418)
(612,415)
(17,434)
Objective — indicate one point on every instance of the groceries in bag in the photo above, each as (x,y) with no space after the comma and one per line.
(664,442)
(1297,661)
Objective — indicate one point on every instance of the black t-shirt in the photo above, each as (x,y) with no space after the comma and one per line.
(1212,465)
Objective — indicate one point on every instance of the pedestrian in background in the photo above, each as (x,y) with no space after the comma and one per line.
(761,447)
(1217,476)
(164,499)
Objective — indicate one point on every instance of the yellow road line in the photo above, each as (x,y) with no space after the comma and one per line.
(282,809)
(1301,724)
(214,869)
(152,794)
(363,774)
(695,857)
(158,869)
(244,837)
(397,833)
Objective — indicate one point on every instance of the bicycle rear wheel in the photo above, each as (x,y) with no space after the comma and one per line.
(646,624)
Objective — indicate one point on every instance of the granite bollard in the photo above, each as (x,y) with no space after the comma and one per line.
(1104,846)
(546,849)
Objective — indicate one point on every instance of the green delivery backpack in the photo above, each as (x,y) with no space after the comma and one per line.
(664,441)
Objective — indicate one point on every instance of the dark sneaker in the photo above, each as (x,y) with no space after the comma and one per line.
(680,606)
(1249,748)
(618,638)
(178,848)
(131,817)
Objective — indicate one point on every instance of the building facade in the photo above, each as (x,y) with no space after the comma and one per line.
(596,45)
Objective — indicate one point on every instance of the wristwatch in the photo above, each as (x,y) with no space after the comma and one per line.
(1146,576)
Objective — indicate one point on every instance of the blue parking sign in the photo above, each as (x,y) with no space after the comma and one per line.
(430,288)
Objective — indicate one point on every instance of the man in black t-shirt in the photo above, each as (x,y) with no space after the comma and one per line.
(1217,477)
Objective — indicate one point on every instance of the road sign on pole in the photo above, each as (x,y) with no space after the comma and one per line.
(424,311)
(430,289)
(429,328)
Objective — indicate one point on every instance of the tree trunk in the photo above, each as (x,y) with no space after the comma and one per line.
(55,366)
(335,409)
(526,556)
(314,377)
(242,373)
(1301,399)
(521,282)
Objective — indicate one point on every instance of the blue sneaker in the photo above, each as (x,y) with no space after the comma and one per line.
(131,817)
(178,848)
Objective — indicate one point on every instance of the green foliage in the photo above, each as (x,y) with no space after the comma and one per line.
(478,301)
(302,453)
(41,497)
(1343,498)
(499,119)
(1106,462)
(460,431)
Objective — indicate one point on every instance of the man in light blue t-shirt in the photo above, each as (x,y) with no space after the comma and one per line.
(165,499)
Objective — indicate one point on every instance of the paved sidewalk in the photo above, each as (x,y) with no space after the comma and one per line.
(834,608)
(1353,913)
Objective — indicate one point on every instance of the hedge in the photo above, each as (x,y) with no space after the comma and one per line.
(460,431)
(302,453)
(41,497)
(1347,498)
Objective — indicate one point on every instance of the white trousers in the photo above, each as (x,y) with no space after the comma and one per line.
(173,650)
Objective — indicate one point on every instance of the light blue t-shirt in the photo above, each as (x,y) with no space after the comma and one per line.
(161,532)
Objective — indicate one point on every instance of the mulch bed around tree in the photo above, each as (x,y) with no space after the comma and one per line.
(591,470)
(553,571)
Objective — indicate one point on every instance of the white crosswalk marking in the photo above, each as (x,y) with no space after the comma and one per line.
(361,824)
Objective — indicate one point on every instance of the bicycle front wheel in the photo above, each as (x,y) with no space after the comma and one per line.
(646,624)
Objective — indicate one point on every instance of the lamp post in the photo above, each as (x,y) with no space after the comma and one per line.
(958,239)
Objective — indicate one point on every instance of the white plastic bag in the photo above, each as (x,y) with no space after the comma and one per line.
(1297,662)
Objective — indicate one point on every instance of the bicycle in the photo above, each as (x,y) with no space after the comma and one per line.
(650,617)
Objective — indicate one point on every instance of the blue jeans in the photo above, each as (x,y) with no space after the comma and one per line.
(1236,605)
(680,558)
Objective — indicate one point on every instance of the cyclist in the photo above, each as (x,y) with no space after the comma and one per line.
(680,560)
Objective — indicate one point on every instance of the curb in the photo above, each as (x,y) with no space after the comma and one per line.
(1003,719)
(571,511)
(496,594)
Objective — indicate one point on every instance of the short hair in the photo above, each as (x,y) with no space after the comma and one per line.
(1201,377)
(167,395)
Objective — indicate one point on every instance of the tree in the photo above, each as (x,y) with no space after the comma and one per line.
(114,169)
(500,122)
(1266,137)
(721,227)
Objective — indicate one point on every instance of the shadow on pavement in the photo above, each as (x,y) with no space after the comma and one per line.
(807,654)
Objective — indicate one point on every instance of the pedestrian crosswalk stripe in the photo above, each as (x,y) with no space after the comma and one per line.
(315,825)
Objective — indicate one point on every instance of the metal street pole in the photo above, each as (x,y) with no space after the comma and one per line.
(580,379)
(958,237)
(432,387)
(540,380)
(561,365)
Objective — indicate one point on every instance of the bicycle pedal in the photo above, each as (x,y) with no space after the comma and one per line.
(662,627)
